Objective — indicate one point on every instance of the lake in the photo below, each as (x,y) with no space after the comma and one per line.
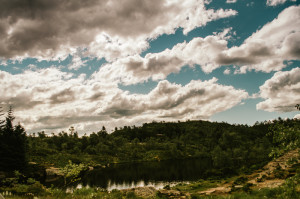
(156,174)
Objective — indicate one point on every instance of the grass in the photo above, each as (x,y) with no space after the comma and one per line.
(89,193)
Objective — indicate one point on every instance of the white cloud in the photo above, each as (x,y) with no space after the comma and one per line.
(32,67)
(226,71)
(76,63)
(265,50)
(231,1)
(268,48)
(196,100)
(116,47)
(281,92)
(49,99)
(276,2)
(157,66)
(52,29)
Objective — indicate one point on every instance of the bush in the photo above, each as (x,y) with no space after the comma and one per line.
(131,194)
(261,179)
(194,196)
(247,187)
(240,180)
(9,182)
(116,194)
(84,191)
(37,189)
(167,187)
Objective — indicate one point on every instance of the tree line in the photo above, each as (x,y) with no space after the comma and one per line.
(13,144)
(229,147)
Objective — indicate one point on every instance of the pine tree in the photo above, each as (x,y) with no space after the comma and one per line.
(8,127)
(13,143)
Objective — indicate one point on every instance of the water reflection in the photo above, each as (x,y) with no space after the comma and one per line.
(156,174)
(141,183)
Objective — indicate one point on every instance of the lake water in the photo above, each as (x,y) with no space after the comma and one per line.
(156,174)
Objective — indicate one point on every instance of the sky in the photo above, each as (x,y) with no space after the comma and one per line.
(112,63)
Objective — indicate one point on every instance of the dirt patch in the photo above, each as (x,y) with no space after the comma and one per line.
(144,192)
(272,175)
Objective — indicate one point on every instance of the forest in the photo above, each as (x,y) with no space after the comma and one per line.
(232,149)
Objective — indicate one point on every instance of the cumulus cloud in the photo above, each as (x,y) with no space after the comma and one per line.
(194,100)
(281,92)
(276,2)
(53,29)
(76,63)
(51,99)
(268,48)
(265,50)
(157,66)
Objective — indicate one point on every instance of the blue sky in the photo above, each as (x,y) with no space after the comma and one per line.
(106,63)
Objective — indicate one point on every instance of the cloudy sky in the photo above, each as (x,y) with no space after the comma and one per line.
(108,62)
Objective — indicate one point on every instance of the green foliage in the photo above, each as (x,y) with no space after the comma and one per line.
(13,145)
(84,191)
(247,187)
(115,194)
(197,186)
(290,187)
(261,179)
(36,189)
(131,195)
(71,172)
(167,187)
(285,135)
(230,147)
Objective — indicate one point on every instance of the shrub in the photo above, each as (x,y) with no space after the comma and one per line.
(247,187)
(131,194)
(37,188)
(240,180)
(83,191)
(116,194)
(167,187)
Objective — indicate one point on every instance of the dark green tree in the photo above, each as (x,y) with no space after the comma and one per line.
(13,143)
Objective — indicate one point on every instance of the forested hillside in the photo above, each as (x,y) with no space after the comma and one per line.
(230,149)
(228,146)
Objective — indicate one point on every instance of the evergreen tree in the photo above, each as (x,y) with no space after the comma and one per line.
(8,127)
(13,142)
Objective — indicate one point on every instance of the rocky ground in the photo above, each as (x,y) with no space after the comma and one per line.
(271,175)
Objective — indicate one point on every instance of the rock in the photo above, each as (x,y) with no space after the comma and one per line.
(53,171)
(145,192)
(170,192)
(90,168)
(53,174)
